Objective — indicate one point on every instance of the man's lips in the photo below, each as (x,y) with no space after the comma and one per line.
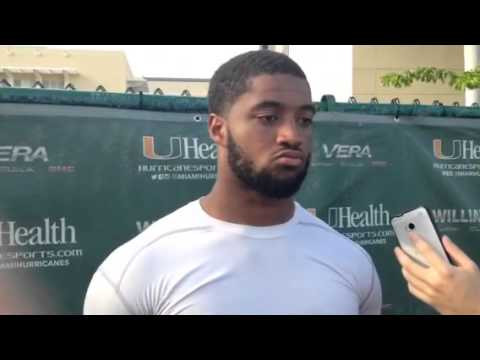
(289,157)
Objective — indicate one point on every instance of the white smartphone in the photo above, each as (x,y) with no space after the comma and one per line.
(420,221)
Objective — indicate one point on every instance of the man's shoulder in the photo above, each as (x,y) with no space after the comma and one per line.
(306,218)
(181,221)
(313,223)
(323,232)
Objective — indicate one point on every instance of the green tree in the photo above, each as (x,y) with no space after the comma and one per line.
(458,80)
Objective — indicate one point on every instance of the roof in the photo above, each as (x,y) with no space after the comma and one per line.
(39,69)
(175,79)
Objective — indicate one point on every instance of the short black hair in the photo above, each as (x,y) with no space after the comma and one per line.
(231,79)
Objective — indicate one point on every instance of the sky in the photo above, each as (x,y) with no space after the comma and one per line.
(328,67)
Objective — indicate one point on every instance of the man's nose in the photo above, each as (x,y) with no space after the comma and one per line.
(289,134)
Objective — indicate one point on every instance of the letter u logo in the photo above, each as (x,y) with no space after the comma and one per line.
(456,150)
(149,149)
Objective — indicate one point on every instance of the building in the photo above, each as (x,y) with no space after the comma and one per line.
(85,70)
(178,86)
(371,62)
(57,68)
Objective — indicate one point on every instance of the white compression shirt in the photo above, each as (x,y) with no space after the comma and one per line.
(191,263)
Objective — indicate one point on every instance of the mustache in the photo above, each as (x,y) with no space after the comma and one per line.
(296,147)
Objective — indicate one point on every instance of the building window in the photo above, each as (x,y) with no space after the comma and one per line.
(23,83)
(26,83)
(53,83)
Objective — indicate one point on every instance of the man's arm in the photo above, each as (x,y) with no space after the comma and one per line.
(103,298)
(448,288)
(372,305)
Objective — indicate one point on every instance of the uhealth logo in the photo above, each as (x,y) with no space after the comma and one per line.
(180,148)
(456,149)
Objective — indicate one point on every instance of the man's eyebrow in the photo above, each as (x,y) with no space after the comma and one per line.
(267,104)
(308,107)
(276,104)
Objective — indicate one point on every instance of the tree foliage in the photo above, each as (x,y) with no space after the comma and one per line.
(459,81)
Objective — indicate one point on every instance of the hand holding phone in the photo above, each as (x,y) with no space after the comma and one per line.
(419,221)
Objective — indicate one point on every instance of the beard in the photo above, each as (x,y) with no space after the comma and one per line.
(264,181)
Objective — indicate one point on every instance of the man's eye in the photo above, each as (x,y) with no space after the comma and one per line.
(268,119)
(306,122)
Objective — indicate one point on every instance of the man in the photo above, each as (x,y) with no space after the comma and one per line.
(450,289)
(246,247)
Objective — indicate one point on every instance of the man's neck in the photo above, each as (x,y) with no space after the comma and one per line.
(231,202)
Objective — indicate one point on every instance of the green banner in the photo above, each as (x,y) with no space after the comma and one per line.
(82,174)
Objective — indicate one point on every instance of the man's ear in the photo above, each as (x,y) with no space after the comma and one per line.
(217,129)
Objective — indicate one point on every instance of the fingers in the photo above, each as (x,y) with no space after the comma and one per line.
(419,283)
(429,253)
(423,279)
(419,294)
(456,253)
(411,266)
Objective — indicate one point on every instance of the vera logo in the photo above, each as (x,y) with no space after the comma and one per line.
(339,151)
(23,153)
(458,149)
(180,148)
